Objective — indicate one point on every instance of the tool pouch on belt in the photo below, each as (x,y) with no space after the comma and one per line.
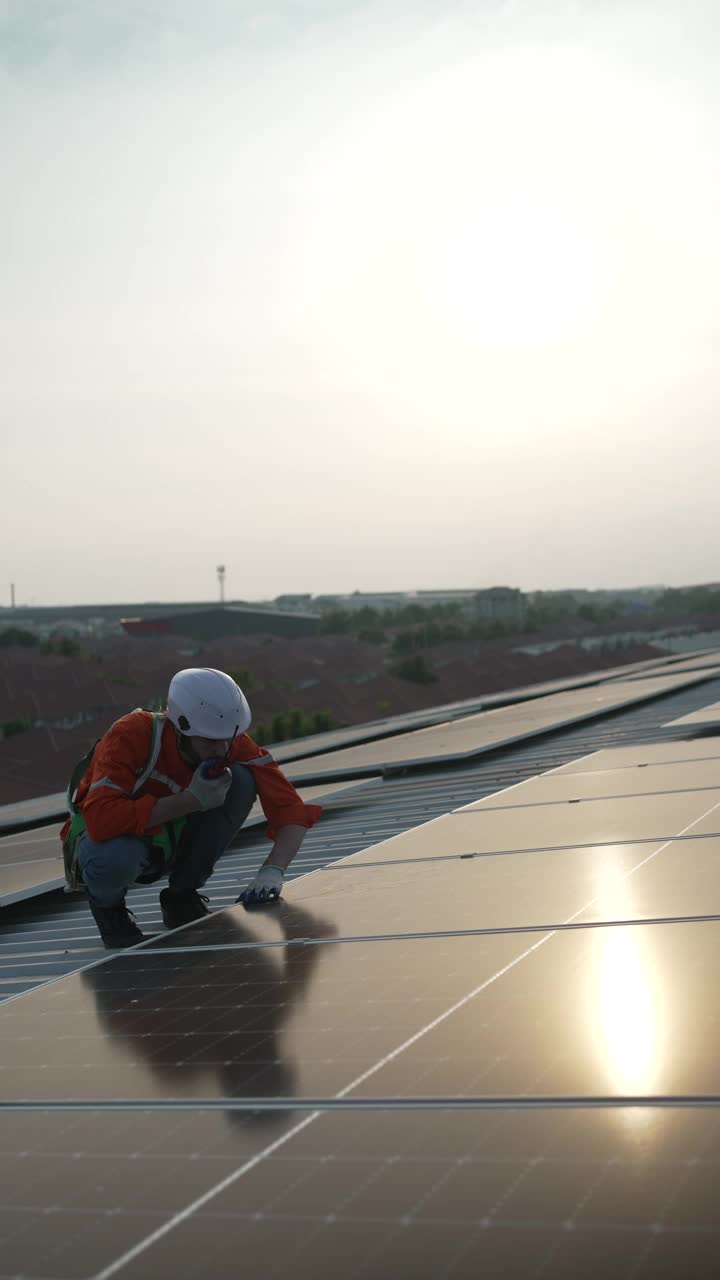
(162,851)
(75,826)
(70,834)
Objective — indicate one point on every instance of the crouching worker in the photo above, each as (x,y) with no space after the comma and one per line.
(163,794)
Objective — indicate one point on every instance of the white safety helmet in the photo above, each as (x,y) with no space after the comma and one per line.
(205,703)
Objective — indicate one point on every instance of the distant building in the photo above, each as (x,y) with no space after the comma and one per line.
(200,620)
(216,623)
(496,604)
(298,603)
(364,600)
(501,604)
(390,599)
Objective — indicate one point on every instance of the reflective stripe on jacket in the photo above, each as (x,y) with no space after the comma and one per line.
(121,756)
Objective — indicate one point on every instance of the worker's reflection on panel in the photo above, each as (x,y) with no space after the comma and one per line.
(226,1038)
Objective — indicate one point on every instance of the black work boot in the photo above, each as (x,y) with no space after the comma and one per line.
(117,928)
(180,906)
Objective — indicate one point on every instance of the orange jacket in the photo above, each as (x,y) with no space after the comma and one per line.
(122,754)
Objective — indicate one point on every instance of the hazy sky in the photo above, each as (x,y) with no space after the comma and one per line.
(353,294)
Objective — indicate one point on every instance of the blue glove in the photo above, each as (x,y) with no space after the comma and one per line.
(267,884)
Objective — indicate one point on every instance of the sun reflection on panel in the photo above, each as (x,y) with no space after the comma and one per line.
(626,998)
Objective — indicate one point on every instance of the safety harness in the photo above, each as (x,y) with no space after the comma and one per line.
(162,846)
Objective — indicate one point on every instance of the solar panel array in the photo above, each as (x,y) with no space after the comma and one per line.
(334,739)
(470,736)
(482,1047)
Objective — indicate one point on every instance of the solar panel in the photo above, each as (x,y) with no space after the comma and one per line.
(622,1010)
(30,863)
(495,892)
(260,1021)
(559,1017)
(413,1194)
(690,662)
(707,824)
(484,829)
(564,788)
(677,881)
(642,756)
(31,812)
(465,738)
(704,718)
(696,663)
(80,1188)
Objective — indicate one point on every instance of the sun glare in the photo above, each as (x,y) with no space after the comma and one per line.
(625,1003)
(514,271)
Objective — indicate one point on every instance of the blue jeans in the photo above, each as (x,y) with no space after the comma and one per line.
(109,867)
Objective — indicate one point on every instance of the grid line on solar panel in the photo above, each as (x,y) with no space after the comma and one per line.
(271,1107)
(499,853)
(490,931)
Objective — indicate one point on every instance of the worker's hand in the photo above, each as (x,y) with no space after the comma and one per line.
(267,884)
(210,792)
